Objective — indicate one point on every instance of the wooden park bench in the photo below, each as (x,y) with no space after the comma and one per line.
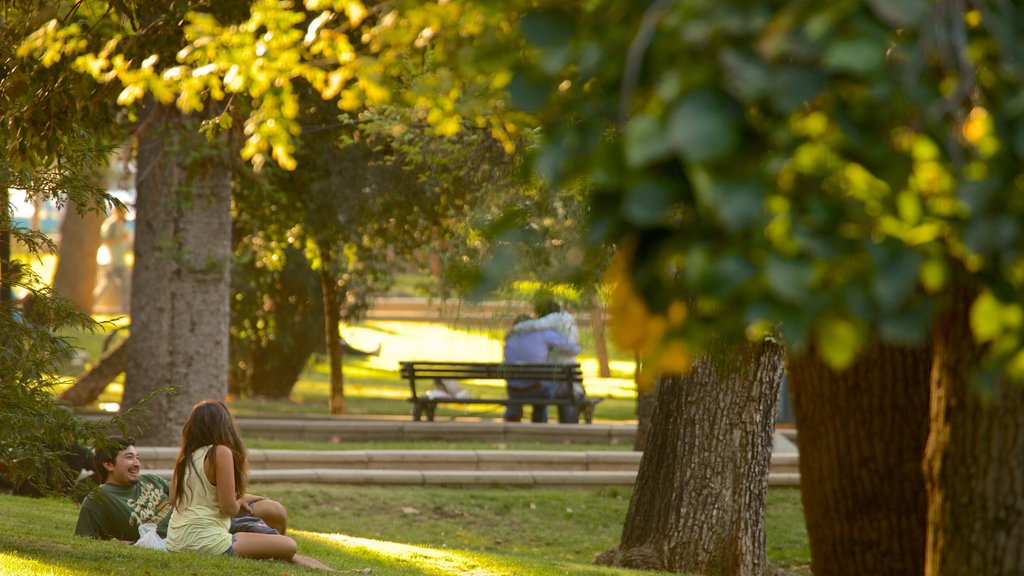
(441,372)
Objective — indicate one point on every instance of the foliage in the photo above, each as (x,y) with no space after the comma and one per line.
(823,167)
(276,322)
(50,145)
(340,49)
(365,201)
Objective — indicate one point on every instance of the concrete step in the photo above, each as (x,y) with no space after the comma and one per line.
(360,430)
(566,479)
(464,462)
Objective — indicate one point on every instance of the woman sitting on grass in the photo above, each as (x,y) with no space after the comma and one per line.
(206,491)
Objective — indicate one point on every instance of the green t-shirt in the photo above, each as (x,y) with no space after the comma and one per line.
(113,511)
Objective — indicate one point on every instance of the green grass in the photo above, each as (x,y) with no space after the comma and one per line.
(390,530)
(373,386)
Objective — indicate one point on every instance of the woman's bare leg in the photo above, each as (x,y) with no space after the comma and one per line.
(272,512)
(264,546)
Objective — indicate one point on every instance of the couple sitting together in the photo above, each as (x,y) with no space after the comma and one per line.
(203,509)
(551,337)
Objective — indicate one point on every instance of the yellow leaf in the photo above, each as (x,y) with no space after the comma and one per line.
(130,94)
(675,358)
(450,126)
(1015,366)
(986,322)
(356,12)
(839,341)
(933,275)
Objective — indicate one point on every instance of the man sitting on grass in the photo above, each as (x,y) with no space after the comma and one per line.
(127,499)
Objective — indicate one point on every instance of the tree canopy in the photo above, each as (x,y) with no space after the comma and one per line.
(824,168)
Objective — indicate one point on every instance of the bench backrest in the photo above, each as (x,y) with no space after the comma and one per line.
(423,370)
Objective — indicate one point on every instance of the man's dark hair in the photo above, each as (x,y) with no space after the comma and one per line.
(107,452)
(545,306)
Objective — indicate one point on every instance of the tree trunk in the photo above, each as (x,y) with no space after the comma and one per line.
(974,457)
(862,438)
(91,384)
(180,313)
(5,246)
(600,345)
(75,275)
(646,397)
(699,500)
(332,337)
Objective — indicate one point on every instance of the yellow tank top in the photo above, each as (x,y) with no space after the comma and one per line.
(197,524)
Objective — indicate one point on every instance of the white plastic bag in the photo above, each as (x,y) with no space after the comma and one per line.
(148,538)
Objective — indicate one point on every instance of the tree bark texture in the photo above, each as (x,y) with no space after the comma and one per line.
(862,439)
(91,384)
(75,275)
(646,397)
(5,246)
(600,345)
(698,505)
(332,337)
(974,460)
(180,313)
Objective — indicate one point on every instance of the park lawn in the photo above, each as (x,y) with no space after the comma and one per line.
(389,530)
(373,386)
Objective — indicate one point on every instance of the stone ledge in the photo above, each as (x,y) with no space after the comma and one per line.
(569,479)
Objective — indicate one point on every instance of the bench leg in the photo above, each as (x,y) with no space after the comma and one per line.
(417,411)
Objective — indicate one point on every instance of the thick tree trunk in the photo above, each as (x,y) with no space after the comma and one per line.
(180,313)
(974,458)
(862,438)
(91,384)
(75,275)
(699,500)
(332,337)
(646,397)
(600,345)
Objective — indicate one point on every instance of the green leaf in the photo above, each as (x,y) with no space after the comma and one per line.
(908,327)
(790,280)
(527,94)
(548,29)
(645,141)
(551,31)
(896,277)
(900,13)
(858,56)
(746,76)
(793,86)
(730,272)
(704,126)
(991,235)
(986,318)
(740,205)
(838,341)
(647,202)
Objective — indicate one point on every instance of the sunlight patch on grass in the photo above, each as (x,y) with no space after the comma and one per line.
(12,564)
(422,341)
(429,559)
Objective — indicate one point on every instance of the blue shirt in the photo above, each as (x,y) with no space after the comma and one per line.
(532,348)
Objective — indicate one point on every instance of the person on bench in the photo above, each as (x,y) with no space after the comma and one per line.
(127,498)
(534,347)
(549,315)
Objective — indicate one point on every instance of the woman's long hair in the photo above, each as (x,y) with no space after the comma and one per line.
(210,423)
